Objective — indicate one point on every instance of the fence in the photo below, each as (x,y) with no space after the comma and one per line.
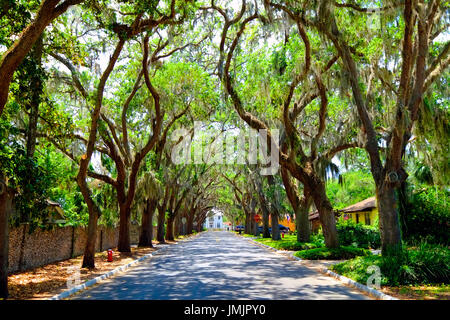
(27,251)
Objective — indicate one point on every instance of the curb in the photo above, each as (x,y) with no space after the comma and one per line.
(370,291)
(352,283)
(111,273)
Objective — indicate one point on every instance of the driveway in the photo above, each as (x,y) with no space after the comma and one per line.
(219,266)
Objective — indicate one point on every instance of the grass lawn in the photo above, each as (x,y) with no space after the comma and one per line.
(423,274)
(341,253)
(289,242)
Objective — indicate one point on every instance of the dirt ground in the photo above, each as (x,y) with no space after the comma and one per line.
(429,292)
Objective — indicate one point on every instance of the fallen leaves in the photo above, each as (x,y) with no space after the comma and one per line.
(49,280)
(424,292)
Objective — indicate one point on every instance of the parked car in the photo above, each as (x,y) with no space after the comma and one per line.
(239,228)
(283,229)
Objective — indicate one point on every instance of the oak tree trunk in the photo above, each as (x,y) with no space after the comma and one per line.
(190,223)
(391,241)
(169,234)
(275,227)
(326,214)
(265,221)
(6,206)
(89,249)
(146,234)
(251,230)
(124,229)
(160,229)
(247,226)
(302,220)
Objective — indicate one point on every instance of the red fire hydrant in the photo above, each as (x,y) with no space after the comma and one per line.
(110,255)
(282,235)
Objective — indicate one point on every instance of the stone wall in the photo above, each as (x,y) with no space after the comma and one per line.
(27,251)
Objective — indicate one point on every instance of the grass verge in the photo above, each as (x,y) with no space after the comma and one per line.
(421,272)
(289,242)
(341,253)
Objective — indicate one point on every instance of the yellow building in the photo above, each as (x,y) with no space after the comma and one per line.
(364,212)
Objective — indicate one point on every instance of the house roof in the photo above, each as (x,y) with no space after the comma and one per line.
(367,204)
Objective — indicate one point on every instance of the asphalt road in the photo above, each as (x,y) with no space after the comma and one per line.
(219,266)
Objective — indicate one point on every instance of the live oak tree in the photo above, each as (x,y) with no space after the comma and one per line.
(125,197)
(416,69)
(48,11)
(15,16)
(306,168)
(91,99)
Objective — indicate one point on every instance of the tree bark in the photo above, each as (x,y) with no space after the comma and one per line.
(6,206)
(328,221)
(247,226)
(264,207)
(300,207)
(255,230)
(124,229)
(89,249)
(161,220)
(169,234)
(274,209)
(275,227)
(326,214)
(302,220)
(265,221)
(146,234)
(251,230)
(391,242)
(190,222)
(177,226)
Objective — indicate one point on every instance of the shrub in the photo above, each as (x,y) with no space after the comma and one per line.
(425,264)
(431,263)
(318,240)
(339,253)
(357,235)
(427,217)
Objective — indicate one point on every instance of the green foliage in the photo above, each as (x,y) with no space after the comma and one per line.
(340,253)
(289,242)
(30,181)
(357,234)
(425,264)
(356,186)
(433,134)
(427,216)
(14,17)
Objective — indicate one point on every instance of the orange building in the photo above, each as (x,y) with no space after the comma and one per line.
(285,220)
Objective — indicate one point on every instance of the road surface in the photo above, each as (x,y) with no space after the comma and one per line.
(219,266)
